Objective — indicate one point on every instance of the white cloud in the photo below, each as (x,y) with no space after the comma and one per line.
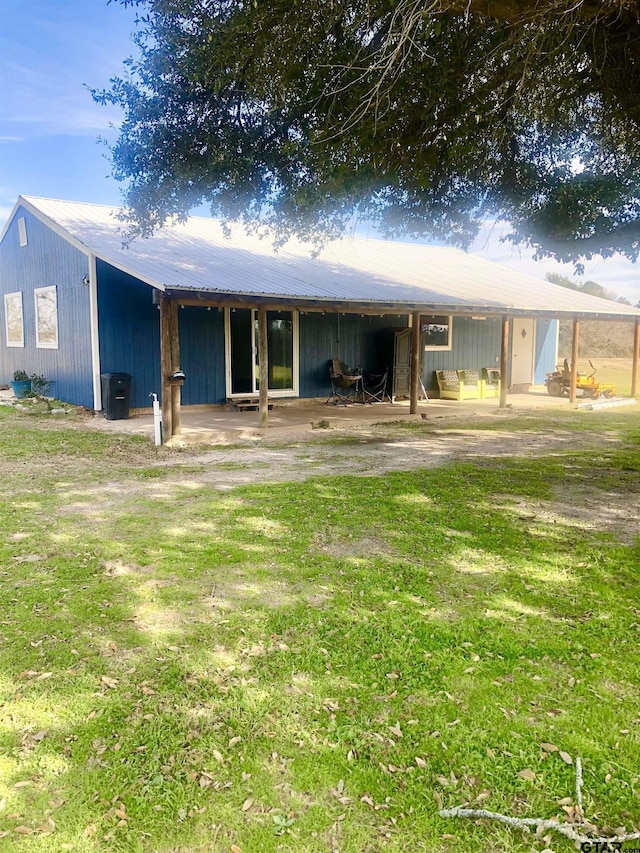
(617,273)
(45,102)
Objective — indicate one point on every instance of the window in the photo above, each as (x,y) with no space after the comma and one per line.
(46,317)
(436,332)
(22,231)
(14,319)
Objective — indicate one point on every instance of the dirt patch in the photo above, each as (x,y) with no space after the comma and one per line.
(132,473)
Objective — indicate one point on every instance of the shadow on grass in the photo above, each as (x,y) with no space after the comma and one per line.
(265,667)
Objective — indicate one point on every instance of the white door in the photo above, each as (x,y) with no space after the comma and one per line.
(522,351)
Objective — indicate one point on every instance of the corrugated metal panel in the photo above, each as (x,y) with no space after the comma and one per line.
(197,256)
(202,355)
(44,261)
(129,330)
(358,341)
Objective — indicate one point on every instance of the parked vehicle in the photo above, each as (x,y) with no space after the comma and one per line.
(559,383)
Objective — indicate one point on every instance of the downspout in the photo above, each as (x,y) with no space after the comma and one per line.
(95,333)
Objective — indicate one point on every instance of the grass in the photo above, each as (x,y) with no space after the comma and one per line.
(614,371)
(314,665)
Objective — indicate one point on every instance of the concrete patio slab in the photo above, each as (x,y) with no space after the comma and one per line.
(220,425)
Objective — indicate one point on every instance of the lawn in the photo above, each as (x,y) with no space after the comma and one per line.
(614,371)
(317,664)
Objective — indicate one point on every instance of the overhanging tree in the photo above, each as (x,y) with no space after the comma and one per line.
(424,116)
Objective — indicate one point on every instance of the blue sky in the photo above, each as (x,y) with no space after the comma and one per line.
(52,50)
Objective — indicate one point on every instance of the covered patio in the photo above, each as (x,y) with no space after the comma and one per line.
(222,425)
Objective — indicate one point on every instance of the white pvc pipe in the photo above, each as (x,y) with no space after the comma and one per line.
(157,421)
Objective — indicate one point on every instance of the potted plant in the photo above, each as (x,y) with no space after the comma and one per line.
(21,385)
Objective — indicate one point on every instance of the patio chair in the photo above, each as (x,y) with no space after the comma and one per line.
(490,385)
(346,383)
(375,387)
(453,387)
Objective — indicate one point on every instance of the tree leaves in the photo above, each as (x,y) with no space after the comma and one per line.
(310,126)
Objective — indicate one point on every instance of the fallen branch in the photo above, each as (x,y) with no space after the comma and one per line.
(525,823)
(542,824)
(579,781)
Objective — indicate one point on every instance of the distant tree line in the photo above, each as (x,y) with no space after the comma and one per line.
(598,338)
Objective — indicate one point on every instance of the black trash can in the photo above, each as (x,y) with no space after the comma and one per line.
(116,395)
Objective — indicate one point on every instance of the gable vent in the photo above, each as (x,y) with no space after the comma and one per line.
(22,231)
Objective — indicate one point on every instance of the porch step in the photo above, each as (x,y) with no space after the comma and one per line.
(246,404)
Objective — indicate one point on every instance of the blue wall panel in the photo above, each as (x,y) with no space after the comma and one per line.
(369,341)
(475,344)
(48,260)
(358,341)
(202,355)
(546,349)
(129,329)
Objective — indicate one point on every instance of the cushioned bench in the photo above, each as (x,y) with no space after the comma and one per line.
(469,384)
(458,384)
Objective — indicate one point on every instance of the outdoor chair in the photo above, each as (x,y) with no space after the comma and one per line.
(471,382)
(490,386)
(375,387)
(346,383)
(453,387)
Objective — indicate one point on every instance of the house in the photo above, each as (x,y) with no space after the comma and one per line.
(77,302)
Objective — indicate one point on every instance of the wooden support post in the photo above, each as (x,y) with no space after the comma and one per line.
(504,363)
(635,368)
(573,393)
(176,390)
(263,362)
(415,363)
(165,367)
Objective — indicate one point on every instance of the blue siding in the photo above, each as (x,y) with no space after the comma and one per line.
(129,331)
(48,260)
(546,341)
(202,355)
(475,344)
(130,341)
(366,341)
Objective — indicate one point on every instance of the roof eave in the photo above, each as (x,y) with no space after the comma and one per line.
(220,297)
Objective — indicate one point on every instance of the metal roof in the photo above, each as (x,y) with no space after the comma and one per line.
(197,256)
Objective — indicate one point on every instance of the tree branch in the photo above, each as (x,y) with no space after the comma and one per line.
(525,823)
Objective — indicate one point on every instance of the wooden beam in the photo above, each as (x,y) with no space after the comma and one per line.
(176,388)
(573,393)
(165,367)
(504,363)
(635,368)
(415,363)
(263,361)
(215,299)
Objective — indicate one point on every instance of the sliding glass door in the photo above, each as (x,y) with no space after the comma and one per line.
(243,369)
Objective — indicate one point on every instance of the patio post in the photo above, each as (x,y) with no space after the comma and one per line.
(635,367)
(165,366)
(263,362)
(415,362)
(574,360)
(504,363)
(176,389)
